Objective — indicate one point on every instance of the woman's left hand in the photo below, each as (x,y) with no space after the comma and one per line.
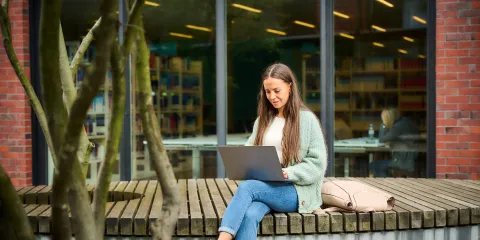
(285,174)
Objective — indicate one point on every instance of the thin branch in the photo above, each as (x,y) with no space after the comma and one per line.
(113,139)
(27,86)
(71,172)
(164,226)
(83,48)
(5,5)
(133,19)
(14,223)
(69,94)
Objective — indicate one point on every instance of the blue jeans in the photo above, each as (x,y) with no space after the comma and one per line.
(252,201)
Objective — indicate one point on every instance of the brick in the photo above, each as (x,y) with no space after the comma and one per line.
(470,153)
(475,130)
(458,114)
(447,138)
(458,36)
(447,76)
(457,130)
(470,169)
(457,68)
(469,13)
(469,138)
(457,99)
(457,6)
(469,106)
(472,29)
(456,176)
(458,161)
(456,53)
(475,176)
(457,84)
(441,61)
(446,106)
(440,175)
(447,14)
(469,60)
(475,20)
(447,29)
(466,44)
(440,145)
(440,99)
(475,52)
(469,122)
(455,21)
(475,4)
(468,91)
(447,169)
(440,161)
(475,161)
(440,115)
(447,45)
(475,83)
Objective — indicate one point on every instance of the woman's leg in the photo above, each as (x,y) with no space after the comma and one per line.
(253,216)
(280,197)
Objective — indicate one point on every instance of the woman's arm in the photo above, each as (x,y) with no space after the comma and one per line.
(314,164)
(251,139)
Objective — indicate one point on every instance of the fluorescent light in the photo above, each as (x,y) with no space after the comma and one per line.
(378,44)
(402,51)
(181,35)
(154,4)
(304,24)
(339,14)
(385,3)
(379,28)
(233,21)
(276,31)
(408,39)
(420,20)
(347,35)
(246,8)
(199,28)
(421,56)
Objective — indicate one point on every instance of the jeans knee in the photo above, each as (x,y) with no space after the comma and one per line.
(252,216)
(247,185)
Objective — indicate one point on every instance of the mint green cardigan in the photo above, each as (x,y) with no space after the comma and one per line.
(307,175)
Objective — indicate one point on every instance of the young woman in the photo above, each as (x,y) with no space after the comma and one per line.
(286,123)
(404,155)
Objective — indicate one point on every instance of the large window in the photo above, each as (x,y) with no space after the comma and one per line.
(380,88)
(181,39)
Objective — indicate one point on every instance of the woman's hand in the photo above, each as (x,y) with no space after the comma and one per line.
(285,174)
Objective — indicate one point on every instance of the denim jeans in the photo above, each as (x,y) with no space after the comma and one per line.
(252,201)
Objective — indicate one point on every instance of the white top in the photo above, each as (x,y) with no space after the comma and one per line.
(273,135)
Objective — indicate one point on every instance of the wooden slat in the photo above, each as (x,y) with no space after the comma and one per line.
(412,206)
(281,223)
(425,199)
(44,221)
(363,222)
(23,191)
(309,225)
(295,223)
(183,222)
(126,220)
(118,192)
(474,205)
(111,188)
(31,196)
(32,216)
(456,213)
(231,185)
(140,221)
(350,222)
(113,217)
(129,190)
(224,191)
(323,222)
(216,198)
(210,217)
(196,219)
(156,206)
(30,207)
(336,222)
(43,196)
(474,187)
(18,189)
(457,189)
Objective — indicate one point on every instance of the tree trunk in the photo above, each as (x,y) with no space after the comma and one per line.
(164,226)
(14,223)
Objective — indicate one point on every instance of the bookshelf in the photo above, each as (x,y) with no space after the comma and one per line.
(177,91)
(364,86)
(98,115)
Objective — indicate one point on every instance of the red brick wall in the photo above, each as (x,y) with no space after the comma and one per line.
(458,89)
(15,118)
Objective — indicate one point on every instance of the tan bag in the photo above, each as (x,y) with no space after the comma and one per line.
(353,196)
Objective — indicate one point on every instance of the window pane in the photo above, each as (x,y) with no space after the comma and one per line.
(380,88)
(181,39)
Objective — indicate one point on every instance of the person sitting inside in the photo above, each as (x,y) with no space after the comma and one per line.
(403,159)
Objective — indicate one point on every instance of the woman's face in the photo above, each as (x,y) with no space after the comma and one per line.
(277,92)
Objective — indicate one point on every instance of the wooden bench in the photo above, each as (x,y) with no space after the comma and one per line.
(420,203)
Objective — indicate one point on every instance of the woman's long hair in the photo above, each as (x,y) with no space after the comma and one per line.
(291,112)
(389,116)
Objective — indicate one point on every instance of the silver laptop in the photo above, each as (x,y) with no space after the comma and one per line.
(252,162)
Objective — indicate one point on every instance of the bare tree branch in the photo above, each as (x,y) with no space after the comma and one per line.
(70,174)
(27,86)
(83,48)
(14,223)
(133,19)
(164,226)
(69,94)
(113,139)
